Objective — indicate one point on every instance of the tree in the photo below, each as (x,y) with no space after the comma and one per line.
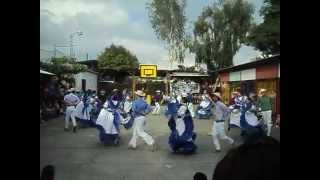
(118,59)
(64,68)
(168,20)
(220,31)
(266,36)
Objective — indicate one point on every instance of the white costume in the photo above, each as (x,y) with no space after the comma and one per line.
(218,129)
(106,118)
(71,100)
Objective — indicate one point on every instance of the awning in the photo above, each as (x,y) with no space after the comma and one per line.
(46,72)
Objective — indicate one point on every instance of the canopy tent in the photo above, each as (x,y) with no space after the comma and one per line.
(46,72)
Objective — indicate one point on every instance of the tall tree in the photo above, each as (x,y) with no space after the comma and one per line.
(266,36)
(117,59)
(219,32)
(168,20)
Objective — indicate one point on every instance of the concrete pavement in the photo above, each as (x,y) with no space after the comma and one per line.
(80,156)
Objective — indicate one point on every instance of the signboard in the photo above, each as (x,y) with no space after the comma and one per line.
(148,70)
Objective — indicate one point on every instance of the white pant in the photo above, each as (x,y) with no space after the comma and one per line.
(267,120)
(156,109)
(190,108)
(138,130)
(218,132)
(70,113)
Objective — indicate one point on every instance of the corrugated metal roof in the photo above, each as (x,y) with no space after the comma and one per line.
(188,74)
(269,60)
(46,72)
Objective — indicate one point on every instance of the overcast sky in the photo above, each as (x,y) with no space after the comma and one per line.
(122,22)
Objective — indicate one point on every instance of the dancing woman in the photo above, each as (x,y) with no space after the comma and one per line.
(182,137)
(108,122)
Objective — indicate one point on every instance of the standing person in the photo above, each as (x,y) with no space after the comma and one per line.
(265,103)
(182,137)
(220,115)
(190,104)
(157,100)
(250,126)
(140,109)
(108,121)
(71,101)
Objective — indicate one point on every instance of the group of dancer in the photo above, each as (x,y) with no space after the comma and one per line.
(121,110)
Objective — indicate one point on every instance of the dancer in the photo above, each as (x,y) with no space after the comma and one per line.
(182,137)
(127,120)
(157,100)
(220,114)
(71,101)
(108,122)
(204,109)
(85,107)
(236,103)
(140,109)
(190,104)
(250,125)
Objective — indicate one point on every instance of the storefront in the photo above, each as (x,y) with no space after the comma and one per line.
(251,77)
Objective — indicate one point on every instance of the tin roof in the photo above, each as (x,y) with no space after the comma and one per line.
(270,60)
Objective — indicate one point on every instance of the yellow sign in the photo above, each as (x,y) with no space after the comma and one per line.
(148,70)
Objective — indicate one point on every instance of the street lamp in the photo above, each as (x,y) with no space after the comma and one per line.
(79,33)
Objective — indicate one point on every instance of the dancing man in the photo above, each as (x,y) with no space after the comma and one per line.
(71,101)
(140,109)
(220,115)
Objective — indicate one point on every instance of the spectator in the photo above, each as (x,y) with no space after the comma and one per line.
(199,176)
(47,173)
(251,161)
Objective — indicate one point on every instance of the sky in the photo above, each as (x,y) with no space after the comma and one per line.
(121,22)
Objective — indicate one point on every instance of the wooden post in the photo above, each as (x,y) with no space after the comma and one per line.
(133,86)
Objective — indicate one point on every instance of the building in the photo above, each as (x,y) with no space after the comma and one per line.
(251,77)
(88,79)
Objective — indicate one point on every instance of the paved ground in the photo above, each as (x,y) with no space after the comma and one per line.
(80,156)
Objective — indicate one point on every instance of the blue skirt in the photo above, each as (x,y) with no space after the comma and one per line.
(107,139)
(179,144)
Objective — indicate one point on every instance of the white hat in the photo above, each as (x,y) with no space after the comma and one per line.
(140,93)
(158,90)
(235,92)
(217,95)
(71,89)
(184,94)
(262,90)
(252,95)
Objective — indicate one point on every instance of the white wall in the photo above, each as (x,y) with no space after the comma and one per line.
(248,74)
(91,80)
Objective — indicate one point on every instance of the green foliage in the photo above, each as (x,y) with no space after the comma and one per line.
(219,32)
(117,58)
(266,36)
(64,68)
(168,20)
